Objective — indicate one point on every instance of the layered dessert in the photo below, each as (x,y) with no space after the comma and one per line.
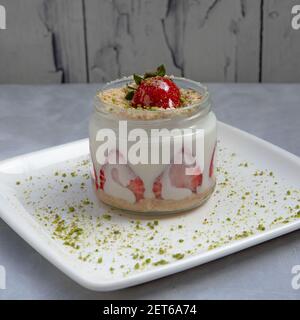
(155,103)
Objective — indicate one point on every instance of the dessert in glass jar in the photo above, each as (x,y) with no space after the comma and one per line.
(144,137)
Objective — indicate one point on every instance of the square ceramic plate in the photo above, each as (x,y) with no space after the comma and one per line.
(47,198)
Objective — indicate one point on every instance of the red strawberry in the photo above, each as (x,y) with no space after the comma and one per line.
(180,179)
(157,187)
(135,184)
(102,179)
(122,175)
(137,187)
(157,91)
(96,178)
(211,167)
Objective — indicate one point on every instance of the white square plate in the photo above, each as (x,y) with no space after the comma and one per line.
(47,198)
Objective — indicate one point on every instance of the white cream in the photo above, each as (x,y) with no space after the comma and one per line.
(113,188)
(170,192)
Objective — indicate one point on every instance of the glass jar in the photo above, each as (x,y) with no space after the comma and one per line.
(131,168)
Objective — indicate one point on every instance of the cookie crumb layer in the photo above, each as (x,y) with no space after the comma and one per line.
(114,101)
(156,205)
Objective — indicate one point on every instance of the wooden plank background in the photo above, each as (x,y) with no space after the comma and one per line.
(71,41)
(281,45)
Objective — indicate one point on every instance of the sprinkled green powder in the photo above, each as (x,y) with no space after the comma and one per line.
(80,227)
(242,235)
(86,202)
(261,227)
(160,263)
(178,256)
(161,251)
(137,266)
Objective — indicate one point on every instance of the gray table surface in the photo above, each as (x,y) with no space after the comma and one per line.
(36,117)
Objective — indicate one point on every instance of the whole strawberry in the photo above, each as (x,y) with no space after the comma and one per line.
(155,90)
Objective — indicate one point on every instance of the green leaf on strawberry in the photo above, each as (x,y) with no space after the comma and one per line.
(137,79)
(129,95)
(161,71)
(149,75)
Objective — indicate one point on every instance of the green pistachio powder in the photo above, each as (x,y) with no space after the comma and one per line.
(64,205)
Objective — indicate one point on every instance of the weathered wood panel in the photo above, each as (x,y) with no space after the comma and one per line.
(220,39)
(208,40)
(125,37)
(26,46)
(53,41)
(281,44)
(65,19)
(44,42)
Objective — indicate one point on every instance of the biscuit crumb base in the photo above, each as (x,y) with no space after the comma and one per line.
(156,206)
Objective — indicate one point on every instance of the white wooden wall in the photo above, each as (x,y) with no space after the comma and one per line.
(54,41)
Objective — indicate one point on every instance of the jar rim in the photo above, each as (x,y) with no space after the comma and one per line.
(200,108)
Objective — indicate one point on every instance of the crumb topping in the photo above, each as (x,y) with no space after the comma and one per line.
(116,97)
(115,102)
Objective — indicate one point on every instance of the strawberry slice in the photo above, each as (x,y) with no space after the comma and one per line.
(134,183)
(180,179)
(121,174)
(157,187)
(96,178)
(137,187)
(157,92)
(102,179)
(211,166)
